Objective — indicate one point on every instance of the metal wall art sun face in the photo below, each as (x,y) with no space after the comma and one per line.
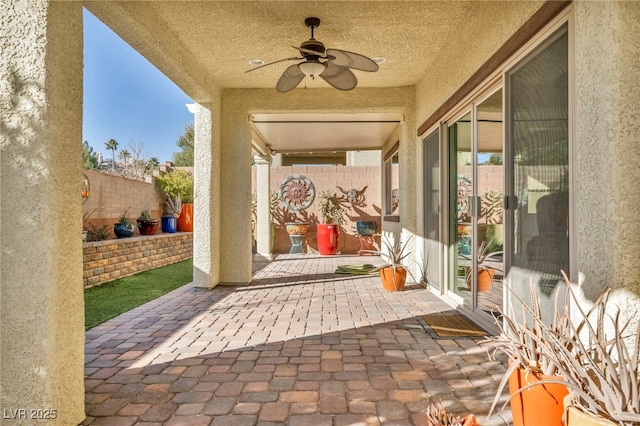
(297,192)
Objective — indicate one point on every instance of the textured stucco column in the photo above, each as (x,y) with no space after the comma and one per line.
(235,178)
(41,303)
(263,212)
(206,231)
(607,135)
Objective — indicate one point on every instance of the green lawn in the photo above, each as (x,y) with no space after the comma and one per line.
(113,298)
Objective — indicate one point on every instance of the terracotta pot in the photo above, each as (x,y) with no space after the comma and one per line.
(538,405)
(470,420)
(485,278)
(393,281)
(185,221)
(328,236)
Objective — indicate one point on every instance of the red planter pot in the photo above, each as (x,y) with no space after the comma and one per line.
(148,226)
(185,221)
(328,236)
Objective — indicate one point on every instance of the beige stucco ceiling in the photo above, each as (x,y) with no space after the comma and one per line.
(198,44)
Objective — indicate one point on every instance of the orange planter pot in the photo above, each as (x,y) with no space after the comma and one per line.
(485,278)
(538,405)
(393,281)
(185,221)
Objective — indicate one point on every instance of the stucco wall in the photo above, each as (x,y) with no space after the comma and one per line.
(607,136)
(41,315)
(493,25)
(323,178)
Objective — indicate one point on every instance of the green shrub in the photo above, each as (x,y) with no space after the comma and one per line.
(98,234)
(177,182)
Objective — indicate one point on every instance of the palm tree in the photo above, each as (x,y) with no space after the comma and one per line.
(124,155)
(112,145)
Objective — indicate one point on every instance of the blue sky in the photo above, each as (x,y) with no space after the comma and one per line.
(128,99)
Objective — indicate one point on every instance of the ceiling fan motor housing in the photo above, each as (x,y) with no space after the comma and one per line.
(313,45)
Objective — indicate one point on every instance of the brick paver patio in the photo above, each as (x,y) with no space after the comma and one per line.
(298,346)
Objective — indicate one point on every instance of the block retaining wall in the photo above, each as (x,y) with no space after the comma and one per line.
(111,259)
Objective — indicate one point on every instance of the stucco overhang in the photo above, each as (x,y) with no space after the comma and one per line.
(200,44)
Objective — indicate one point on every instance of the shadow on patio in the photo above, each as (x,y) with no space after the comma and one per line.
(318,349)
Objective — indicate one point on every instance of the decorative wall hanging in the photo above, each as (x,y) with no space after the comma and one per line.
(86,188)
(355,197)
(297,192)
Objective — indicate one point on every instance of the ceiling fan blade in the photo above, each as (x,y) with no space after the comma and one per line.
(310,52)
(274,62)
(339,77)
(352,60)
(290,78)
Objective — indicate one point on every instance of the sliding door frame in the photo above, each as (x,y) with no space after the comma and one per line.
(495,81)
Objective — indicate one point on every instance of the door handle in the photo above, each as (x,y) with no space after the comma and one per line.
(510,202)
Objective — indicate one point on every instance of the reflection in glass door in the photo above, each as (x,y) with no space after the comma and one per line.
(461,207)
(477,185)
(490,193)
(538,111)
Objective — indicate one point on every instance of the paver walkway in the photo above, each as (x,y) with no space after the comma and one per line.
(298,346)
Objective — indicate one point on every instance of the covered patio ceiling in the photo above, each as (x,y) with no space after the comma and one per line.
(199,44)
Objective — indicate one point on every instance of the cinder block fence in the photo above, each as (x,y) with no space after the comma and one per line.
(111,259)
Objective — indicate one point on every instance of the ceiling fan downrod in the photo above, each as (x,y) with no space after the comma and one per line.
(313,23)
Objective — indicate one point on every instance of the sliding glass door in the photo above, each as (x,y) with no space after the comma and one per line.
(433,241)
(476,220)
(538,184)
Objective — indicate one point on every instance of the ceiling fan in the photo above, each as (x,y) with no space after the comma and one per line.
(332,65)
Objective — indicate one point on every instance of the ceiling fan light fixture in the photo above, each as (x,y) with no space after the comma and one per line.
(379,60)
(255,62)
(312,68)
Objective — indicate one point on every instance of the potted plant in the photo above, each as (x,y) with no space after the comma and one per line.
(535,388)
(124,227)
(599,361)
(393,273)
(173,207)
(328,232)
(486,269)
(146,224)
(438,416)
(179,183)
